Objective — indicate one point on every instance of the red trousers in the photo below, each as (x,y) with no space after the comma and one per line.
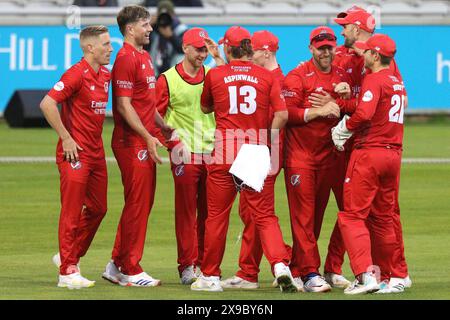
(251,249)
(139,181)
(83,188)
(221,193)
(308,192)
(336,249)
(190,212)
(367,222)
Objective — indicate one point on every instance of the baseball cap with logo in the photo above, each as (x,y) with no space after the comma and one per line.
(195,37)
(264,40)
(361,18)
(380,43)
(234,36)
(322,36)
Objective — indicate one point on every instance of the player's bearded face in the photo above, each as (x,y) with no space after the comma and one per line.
(142,30)
(102,49)
(323,56)
(350,35)
(196,56)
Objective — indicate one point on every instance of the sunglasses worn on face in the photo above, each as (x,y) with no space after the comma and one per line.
(324,36)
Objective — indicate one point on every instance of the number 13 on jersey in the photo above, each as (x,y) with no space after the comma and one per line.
(249,95)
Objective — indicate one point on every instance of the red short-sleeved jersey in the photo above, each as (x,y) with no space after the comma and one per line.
(83,94)
(378,119)
(309,145)
(242,96)
(133,76)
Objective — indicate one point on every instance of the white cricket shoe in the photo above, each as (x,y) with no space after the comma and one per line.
(188,275)
(395,285)
(203,283)
(236,282)
(336,280)
(316,284)
(57,261)
(368,285)
(112,273)
(74,281)
(139,280)
(284,278)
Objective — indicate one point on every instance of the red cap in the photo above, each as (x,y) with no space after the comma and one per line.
(361,18)
(264,40)
(351,9)
(322,36)
(380,43)
(234,36)
(195,37)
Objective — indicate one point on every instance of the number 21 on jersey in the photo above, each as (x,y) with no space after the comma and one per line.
(249,94)
(398,108)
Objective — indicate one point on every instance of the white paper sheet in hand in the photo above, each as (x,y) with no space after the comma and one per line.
(252,165)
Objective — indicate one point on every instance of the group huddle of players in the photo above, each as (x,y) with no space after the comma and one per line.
(334,123)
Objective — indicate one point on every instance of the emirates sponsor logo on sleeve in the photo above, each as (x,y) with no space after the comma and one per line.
(295,180)
(59,86)
(142,155)
(76,165)
(368,96)
(123,84)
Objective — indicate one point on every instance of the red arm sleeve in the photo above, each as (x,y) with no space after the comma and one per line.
(70,83)
(162,95)
(207,99)
(293,94)
(123,77)
(370,95)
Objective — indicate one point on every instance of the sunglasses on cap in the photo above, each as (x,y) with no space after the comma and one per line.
(323,36)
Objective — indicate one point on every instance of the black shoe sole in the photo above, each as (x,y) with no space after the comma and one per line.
(286,285)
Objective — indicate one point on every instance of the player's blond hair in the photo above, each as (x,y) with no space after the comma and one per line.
(92,31)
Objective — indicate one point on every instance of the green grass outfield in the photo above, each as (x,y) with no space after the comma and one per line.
(29,212)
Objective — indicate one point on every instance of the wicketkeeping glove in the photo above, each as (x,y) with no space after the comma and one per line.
(340,134)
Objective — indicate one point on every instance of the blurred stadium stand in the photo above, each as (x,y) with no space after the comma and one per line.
(223,12)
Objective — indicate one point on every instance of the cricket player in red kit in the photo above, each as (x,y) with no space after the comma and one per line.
(178,100)
(265,46)
(312,167)
(83,93)
(135,120)
(367,221)
(359,25)
(242,95)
